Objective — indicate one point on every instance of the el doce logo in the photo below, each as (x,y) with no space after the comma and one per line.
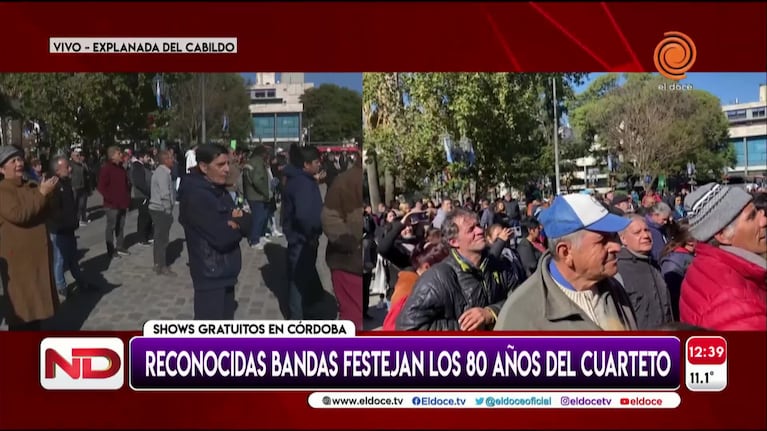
(675,55)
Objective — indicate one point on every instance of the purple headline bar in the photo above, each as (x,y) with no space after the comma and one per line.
(406,362)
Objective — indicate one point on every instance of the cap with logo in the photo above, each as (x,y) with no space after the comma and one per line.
(572,213)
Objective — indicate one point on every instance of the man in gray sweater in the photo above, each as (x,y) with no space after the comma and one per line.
(161,202)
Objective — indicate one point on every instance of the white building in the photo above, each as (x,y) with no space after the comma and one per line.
(748,136)
(592,171)
(276,109)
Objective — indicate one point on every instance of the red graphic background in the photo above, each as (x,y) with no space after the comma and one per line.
(740,406)
(397,36)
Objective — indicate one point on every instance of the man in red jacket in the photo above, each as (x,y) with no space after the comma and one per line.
(725,288)
(115,190)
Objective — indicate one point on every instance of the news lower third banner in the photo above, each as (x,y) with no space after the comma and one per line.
(266,360)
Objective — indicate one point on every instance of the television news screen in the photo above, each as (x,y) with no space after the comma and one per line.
(562,209)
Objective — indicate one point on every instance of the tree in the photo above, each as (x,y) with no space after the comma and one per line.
(656,131)
(506,118)
(103,107)
(225,96)
(382,117)
(334,113)
(82,107)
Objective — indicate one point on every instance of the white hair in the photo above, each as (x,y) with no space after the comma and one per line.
(574,239)
(56,161)
(632,218)
(661,208)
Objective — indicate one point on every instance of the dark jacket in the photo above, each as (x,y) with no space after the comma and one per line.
(646,289)
(502,219)
(673,266)
(80,176)
(113,186)
(512,209)
(519,273)
(658,234)
(214,246)
(451,287)
(63,209)
(301,207)
(255,180)
(529,255)
(141,179)
(392,247)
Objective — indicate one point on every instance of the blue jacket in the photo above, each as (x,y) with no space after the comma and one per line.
(301,206)
(214,246)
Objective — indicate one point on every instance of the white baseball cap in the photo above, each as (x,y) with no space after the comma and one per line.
(571,213)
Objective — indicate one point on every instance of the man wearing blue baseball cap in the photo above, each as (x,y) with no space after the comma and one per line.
(573,287)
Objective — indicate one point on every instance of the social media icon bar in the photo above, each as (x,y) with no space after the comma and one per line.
(499,400)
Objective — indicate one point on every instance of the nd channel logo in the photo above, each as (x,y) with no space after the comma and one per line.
(88,363)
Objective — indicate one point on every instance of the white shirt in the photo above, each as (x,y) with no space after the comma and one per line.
(191,160)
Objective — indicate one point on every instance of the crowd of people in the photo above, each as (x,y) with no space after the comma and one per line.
(224,196)
(584,261)
(630,261)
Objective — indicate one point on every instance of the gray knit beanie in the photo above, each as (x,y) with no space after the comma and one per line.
(712,207)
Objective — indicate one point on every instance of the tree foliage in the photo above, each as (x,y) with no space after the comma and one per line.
(334,113)
(656,131)
(225,96)
(508,118)
(108,107)
(72,107)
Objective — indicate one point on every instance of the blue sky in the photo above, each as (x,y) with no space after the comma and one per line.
(726,86)
(348,80)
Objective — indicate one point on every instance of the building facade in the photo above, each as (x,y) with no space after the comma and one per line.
(276,110)
(748,136)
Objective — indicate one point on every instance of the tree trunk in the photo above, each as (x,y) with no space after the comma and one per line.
(388,185)
(373,186)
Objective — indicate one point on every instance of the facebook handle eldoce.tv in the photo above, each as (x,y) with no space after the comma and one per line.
(87,363)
